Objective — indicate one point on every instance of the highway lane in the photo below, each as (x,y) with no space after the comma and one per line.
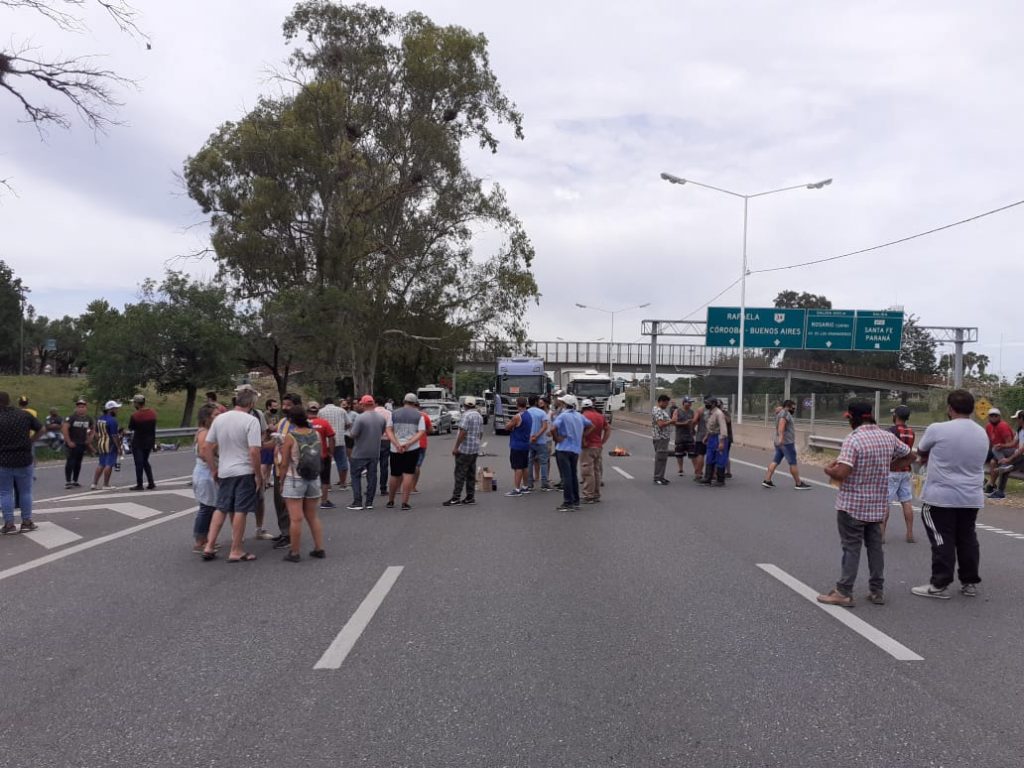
(636,632)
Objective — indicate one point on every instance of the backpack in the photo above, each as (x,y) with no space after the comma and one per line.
(309,463)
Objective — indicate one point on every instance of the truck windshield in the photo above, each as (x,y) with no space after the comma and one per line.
(591,388)
(522,385)
(431,394)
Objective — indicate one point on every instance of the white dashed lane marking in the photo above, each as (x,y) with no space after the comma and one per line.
(624,473)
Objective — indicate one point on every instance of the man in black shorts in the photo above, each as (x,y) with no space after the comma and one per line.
(683,419)
(404,431)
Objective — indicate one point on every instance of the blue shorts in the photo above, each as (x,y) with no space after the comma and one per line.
(108,459)
(237,494)
(899,486)
(421,457)
(266,456)
(787,452)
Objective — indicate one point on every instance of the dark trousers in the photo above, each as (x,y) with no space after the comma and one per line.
(567,461)
(954,540)
(141,458)
(1018,465)
(358,465)
(852,534)
(280,510)
(384,466)
(73,462)
(465,475)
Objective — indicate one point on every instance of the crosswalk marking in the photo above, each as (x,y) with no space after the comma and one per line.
(128,508)
(51,535)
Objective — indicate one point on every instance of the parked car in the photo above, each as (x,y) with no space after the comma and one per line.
(440,418)
(455,412)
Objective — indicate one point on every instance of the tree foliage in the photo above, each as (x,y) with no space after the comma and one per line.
(12,302)
(352,193)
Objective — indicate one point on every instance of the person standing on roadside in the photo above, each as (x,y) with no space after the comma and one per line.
(900,489)
(591,465)
(683,420)
(203,486)
(1012,463)
(519,427)
(404,432)
(338,419)
(428,427)
(384,459)
(540,451)
(367,429)
(281,429)
(17,430)
(700,447)
(1002,443)
(955,452)
(232,451)
(271,416)
(301,468)
(716,458)
(108,444)
(785,447)
(143,427)
(211,400)
(661,424)
(467,448)
(568,431)
(862,470)
(78,434)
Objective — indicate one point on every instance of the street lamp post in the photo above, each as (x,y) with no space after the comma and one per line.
(672,179)
(611,338)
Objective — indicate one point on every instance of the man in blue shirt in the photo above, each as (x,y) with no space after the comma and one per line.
(540,452)
(520,428)
(567,431)
(108,444)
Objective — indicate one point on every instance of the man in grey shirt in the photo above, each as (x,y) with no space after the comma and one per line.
(785,447)
(367,431)
(955,452)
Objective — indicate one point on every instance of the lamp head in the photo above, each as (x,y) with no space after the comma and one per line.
(672,179)
(820,184)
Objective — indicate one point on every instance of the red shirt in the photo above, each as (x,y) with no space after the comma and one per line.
(325,430)
(426,430)
(999,433)
(596,436)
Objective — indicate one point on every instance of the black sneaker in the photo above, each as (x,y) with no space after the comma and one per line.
(453,501)
(292,557)
(9,529)
(28,525)
(151,487)
(368,506)
(660,481)
(136,488)
(76,484)
(68,485)
(283,543)
(406,507)
(546,487)
(319,554)
(468,502)
(563,508)
(802,486)
(390,505)
(989,488)
(770,484)
(354,507)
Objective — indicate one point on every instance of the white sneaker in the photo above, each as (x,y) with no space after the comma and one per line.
(263,534)
(94,487)
(927,590)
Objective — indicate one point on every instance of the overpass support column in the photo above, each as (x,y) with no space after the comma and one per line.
(788,387)
(958,358)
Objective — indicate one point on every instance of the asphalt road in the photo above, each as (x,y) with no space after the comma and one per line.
(651,629)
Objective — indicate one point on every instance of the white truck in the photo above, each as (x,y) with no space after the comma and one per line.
(433,393)
(608,396)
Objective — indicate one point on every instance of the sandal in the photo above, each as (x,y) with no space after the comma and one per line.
(246,557)
(209,555)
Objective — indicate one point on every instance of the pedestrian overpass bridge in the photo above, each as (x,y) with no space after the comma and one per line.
(693,359)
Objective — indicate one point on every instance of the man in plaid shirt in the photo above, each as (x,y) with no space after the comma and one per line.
(862,470)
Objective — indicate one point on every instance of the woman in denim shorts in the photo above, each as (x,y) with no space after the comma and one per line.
(301,496)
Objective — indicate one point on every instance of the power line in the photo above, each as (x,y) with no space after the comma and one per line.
(886,245)
(727,288)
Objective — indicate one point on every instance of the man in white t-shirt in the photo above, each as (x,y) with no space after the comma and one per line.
(338,419)
(955,452)
(232,450)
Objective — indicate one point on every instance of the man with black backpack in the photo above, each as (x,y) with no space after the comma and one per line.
(232,451)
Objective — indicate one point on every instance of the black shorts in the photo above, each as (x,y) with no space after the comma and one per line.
(405,463)
(700,448)
(685,446)
(350,442)
(519,459)
(325,472)
(237,494)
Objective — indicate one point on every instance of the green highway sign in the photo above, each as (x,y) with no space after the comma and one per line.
(765,327)
(861,330)
(830,329)
(878,331)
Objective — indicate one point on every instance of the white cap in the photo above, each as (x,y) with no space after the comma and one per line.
(411,398)
(111,404)
(994,412)
(470,401)
(587,403)
(569,400)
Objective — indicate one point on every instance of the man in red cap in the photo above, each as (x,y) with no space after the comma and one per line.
(367,431)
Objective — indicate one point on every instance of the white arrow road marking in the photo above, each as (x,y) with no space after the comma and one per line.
(131,509)
(51,535)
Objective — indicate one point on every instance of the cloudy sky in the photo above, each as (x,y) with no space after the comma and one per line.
(915,112)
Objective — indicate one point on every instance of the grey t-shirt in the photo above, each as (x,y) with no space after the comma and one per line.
(366,432)
(789,431)
(956,464)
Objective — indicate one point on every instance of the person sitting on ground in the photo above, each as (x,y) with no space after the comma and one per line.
(1002,443)
(1012,463)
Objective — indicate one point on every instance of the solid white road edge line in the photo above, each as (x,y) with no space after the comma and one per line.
(624,473)
(895,649)
(45,559)
(350,633)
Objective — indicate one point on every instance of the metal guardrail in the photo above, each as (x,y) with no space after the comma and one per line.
(176,432)
(818,442)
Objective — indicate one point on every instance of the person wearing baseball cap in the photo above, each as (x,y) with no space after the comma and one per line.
(1002,443)
(862,471)
(1012,463)
(78,433)
(661,424)
(142,424)
(404,432)
(568,430)
(367,431)
(591,466)
(108,445)
(465,451)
